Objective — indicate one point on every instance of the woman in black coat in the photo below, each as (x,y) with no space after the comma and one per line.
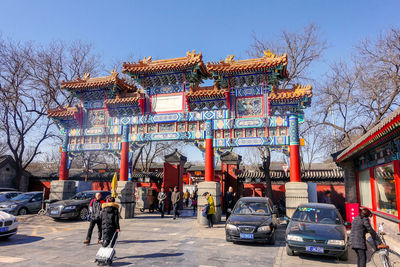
(110,222)
(359,228)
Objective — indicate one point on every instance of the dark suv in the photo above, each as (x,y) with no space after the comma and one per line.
(77,207)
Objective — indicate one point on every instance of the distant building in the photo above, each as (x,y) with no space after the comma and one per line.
(8,174)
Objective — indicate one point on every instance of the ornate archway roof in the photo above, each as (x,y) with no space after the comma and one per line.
(298,92)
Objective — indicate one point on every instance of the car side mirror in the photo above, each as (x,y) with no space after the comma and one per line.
(347,224)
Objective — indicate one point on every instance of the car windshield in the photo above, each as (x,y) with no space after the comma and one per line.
(3,197)
(23,197)
(82,195)
(254,208)
(316,215)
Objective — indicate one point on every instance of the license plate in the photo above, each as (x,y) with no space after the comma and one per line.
(54,212)
(246,236)
(3,229)
(315,249)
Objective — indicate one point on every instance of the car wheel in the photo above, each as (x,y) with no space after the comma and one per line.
(289,251)
(227,239)
(83,213)
(22,211)
(345,256)
(272,239)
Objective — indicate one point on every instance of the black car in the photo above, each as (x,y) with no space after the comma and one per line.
(22,204)
(77,207)
(252,220)
(317,228)
(6,196)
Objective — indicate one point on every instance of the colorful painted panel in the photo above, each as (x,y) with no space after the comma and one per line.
(248,107)
(166,127)
(249,123)
(249,91)
(96,117)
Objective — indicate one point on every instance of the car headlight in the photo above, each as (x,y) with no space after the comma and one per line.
(230,227)
(294,238)
(69,207)
(265,228)
(13,206)
(336,242)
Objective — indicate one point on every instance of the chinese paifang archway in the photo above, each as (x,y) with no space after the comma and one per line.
(245,107)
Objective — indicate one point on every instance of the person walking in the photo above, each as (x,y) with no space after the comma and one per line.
(169,200)
(194,201)
(326,197)
(211,209)
(186,197)
(95,218)
(360,226)
(162,198)
(176,198)
(230,201)
(110,222)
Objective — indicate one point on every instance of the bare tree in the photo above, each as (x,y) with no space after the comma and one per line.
(153,151)
(29,84)
(302,48)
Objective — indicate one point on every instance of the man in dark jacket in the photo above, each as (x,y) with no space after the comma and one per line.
(95,218)
(110,222)
(230,201)
(361,226)
(162,197)
(176,198)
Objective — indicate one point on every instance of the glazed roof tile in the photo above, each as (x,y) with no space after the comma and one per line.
(87,83)
(148,65)
(206,92)
(297,92)
(387,125)
(229,65)
(130,98)
(62,112)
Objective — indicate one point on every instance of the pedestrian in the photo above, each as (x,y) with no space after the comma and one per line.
(186,198)
(95,218)
(230,201)
(194,201)
(110,222)
(326,197)
(176,198)
(162,197)
(360,226)
(169,200)
(211,209)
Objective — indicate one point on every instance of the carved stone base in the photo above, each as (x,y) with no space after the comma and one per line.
(214,188)
(62,189)
(126,199)
(296,194)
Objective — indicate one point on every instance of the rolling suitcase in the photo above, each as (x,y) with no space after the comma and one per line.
(105,255)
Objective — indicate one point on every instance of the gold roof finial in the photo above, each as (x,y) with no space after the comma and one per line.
(147,60)
(86,76)
(229,58)
(268,53)
(114,73)
(191,54)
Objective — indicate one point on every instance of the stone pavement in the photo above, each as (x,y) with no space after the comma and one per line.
(146,240)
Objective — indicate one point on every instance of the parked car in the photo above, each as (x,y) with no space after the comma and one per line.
(252,220)
(8,225)
(319,229)
(5,196)
(22,204)
(77,207)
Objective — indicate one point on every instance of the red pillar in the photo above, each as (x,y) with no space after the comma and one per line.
(124,168)
(63,166)
(295,175)
(396,169)
(373,194)
(209,160)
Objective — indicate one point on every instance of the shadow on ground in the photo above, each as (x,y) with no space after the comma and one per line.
(139,241)
(19,239)
(153,255)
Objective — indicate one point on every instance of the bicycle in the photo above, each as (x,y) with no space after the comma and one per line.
(384,257)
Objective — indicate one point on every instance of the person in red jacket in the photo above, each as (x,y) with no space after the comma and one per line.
(95,218)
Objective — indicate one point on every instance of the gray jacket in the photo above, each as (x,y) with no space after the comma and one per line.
(359,228)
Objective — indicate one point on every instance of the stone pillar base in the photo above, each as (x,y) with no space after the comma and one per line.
(126,199)
(62,189)
(214,188)
(296,194)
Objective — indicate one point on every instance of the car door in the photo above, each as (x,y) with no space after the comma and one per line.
(36,203)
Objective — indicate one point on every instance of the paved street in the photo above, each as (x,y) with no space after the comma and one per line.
(146,240)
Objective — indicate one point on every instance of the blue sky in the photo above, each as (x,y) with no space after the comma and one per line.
(165,29)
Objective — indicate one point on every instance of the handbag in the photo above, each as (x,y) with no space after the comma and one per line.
(206,210)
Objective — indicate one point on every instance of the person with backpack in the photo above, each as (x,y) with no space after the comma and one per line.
(110,222)
(95,208)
